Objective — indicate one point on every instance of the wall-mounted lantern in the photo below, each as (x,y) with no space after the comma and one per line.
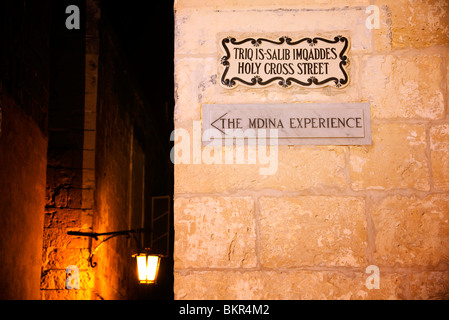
(147,267)
(147,263)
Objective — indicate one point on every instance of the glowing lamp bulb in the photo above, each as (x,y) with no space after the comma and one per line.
(147,267)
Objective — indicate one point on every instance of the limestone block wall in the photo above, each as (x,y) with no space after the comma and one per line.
(98,118)
(310,230)
(71,155)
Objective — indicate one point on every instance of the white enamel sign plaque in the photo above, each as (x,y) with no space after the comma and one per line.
(306,62)
(290,124)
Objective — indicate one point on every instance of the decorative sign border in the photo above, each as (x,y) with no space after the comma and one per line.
(312,81)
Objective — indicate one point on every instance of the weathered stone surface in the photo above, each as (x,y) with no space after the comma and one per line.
(383,36)
(419,23)
(439,155)
(23,150)
(80,198)
(60,258)
(412,231)
(59,218)
(188,93)
(194,38)
(65,177)
(308,231)
(214,232)
(61,198)
(58,237)
(265,4)
(287,285)
(397,159)
(67,295)
(55,279)
(327,212)
(429,285)
(403,86)
(298,168)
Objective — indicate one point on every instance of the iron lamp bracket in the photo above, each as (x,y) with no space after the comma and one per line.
(109,236)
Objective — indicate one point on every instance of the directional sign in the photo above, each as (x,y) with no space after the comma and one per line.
(294,124)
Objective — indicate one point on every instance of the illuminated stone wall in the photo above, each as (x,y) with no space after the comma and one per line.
(310,230)
(71,155)
(72,116)
(22,207)
(98,117)
(115,272)
(24,98)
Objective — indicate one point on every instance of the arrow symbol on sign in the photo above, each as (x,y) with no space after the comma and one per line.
(220,118)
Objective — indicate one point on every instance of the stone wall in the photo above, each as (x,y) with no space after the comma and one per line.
(310,230)
(98,118)
(71,152)
(22,168)
(114,147)
(73,121)
(24,98)
(130,168)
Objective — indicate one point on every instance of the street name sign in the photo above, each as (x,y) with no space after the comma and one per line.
(306,62)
